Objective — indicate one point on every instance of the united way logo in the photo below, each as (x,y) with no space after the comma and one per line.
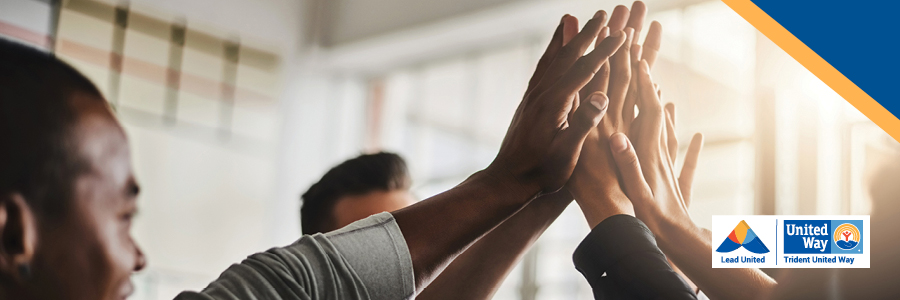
(743,236)
(846,236)
(796,241)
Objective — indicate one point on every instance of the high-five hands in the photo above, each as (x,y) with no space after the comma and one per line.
(595,183)
(610,165)
(545,138)
(661,198)
(647,167)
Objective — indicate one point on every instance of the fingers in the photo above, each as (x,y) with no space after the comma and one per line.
(650,49)
(601,15)
(576,102)
(635,185)
(619,76)
(636,19)
(584,69)
(669,108)
(601,79)
(566,148)
(570,53)
(671,139)
(556,42)
(619,18)
(630,101)
(636,51)
(686,178)
(648,99)
(589,114)
(570,28)
(603,76)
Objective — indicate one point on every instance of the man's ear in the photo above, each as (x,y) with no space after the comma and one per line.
(18,236)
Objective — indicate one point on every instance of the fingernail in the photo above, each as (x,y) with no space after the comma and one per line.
(616,34)
(599,101)
(618,143)
(645,66)
(599,14)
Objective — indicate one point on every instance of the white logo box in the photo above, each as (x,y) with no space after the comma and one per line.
(770,230)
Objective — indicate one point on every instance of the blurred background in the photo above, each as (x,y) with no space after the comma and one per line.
(234,107)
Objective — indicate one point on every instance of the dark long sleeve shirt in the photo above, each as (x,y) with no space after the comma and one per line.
(620,260)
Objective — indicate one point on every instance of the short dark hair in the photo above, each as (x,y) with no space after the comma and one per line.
(38,157)
(366,173)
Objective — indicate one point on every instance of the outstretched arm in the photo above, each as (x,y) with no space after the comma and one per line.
(649,181)
(479,271)
(536,157)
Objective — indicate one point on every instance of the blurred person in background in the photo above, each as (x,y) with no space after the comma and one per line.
(355,189)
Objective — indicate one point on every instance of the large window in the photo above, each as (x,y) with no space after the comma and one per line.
(201,106)
(776,137)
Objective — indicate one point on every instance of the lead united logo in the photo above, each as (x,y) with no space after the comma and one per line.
(743,236)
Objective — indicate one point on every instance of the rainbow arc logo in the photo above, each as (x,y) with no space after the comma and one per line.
(743,236)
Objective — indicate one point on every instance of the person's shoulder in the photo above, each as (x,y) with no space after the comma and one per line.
(376,220)
(190,295)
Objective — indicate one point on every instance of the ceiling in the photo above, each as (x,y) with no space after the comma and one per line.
(352,20)
(366,36)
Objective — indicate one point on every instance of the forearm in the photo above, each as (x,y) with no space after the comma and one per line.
(478,272)
(442,226)
(599,199)
(595,184)
(688,246)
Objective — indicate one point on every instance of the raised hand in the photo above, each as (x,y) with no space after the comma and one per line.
(648,175)
(595,184)
(686,177)
(536,158)
(544,140)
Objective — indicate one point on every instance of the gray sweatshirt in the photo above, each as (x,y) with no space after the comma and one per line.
(364,260)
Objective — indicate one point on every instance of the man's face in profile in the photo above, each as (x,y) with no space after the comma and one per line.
(89,252)
(349,209)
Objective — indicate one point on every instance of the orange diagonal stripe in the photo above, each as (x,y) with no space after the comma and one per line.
(818,66)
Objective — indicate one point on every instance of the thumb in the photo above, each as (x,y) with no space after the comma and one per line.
(636,188)
(686,179)
(566,148)
(586,117)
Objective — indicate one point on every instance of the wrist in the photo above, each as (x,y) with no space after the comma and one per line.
(504,182)
(600,205)
(671,230)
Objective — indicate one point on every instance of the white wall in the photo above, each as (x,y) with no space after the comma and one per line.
(208,204)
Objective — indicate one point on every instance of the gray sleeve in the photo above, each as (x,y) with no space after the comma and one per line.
(365,260)
(381,260)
